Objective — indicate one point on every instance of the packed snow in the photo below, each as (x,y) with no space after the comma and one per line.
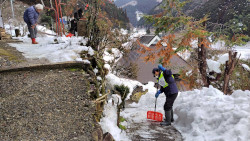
(200,115)
(244,51)
(213,66)
(208,114)
(108,123)
(67,49)
(45,30)
(137,33)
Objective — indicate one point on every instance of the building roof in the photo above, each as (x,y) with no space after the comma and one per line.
(145,68)
(146,39)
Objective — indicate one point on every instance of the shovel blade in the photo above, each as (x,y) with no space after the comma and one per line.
(157,116)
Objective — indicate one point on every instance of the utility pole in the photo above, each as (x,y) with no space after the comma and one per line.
(13,15)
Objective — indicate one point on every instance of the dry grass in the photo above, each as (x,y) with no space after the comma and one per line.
(7,54)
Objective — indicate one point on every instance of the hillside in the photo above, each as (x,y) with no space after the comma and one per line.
(188,8)
(114,13)
(226,11)
(136,8)
(221,11)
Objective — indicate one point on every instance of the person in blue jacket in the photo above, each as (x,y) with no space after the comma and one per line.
(166,80)
(30,16)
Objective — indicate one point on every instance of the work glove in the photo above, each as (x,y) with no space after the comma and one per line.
(160,67)
(158,93)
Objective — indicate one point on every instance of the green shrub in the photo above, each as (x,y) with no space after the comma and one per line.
(122,89)
(122,127)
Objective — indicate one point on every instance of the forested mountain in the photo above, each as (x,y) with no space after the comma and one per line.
(136,8)
(193,4)
(116,14)
(233,13)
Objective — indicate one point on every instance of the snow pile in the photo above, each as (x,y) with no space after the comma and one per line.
(67,49)
(114,80)
(137,33)
(147,102)
(223,58)
(219,45)
(10,29)
(124,31)
(45,30)
(246,67)
(207,114)
(137,114)
(185,54)
(114,56)
(213,66)
(108,123)
(243,50)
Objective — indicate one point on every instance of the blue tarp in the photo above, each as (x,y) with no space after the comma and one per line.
(64,21)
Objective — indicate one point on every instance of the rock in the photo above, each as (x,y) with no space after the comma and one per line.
(97,134)
(137,89)
(108,137)
(136,97)
(137,93)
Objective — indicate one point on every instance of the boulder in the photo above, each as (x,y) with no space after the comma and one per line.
(108,137)
(137,93)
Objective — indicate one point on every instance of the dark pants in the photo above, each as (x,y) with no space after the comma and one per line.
(169,101)
(33,31)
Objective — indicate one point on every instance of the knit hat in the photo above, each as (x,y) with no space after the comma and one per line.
(154,70)
(39,6)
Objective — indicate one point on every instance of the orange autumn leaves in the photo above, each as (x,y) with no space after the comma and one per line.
(180,32)
(165,47)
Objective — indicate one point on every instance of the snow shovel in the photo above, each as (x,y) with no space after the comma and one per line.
(157,116)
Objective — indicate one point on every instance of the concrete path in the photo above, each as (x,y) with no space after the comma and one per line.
(149,130)
(153,131)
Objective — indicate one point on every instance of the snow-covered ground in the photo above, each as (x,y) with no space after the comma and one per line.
(209,115)
(67,49)
(244,50)
(200,115)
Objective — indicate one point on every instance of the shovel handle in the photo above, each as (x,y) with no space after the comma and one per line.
(156,98)
(155,103)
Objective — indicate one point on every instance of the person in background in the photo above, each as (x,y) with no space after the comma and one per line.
(166,80)
(30,16)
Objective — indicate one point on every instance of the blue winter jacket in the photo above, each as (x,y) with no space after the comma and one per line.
(172,87)
(30,16)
